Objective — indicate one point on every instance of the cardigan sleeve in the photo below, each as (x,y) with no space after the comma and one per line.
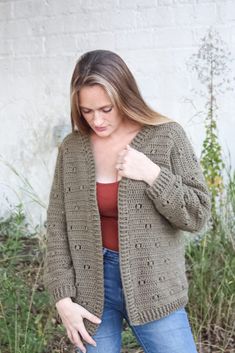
(58,274)
(181,195)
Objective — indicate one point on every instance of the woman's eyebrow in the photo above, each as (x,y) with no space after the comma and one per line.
(104,106)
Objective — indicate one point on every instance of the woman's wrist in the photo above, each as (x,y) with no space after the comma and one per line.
(152,174)
(63,301)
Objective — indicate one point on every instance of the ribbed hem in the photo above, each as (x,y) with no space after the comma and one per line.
(96,229)
(63,292)
(163,183)
(145,316)
(157,313)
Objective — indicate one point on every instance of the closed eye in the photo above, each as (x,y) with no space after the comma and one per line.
(86,111)
(107,110)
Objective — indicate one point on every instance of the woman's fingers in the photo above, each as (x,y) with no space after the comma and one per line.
(121,159)
(83,332)
(76,340)
(123,152)
(69,335)
(120,163)
(91,317)
(74,334)
(73,321)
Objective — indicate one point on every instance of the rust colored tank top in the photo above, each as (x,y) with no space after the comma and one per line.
(107,196)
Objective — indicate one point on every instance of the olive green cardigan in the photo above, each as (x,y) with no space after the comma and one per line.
(151,220)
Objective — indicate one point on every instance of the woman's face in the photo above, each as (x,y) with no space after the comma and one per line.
(98,110)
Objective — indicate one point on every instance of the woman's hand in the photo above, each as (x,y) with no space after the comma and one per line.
(136,165)
(72,315)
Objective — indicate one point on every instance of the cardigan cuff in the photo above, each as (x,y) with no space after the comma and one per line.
(63,292)
(163,183)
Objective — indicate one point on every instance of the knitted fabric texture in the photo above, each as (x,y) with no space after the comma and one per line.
(151,222)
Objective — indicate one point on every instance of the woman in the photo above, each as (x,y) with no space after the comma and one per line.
(126,186)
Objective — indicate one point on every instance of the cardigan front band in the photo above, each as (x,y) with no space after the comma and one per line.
(151,224)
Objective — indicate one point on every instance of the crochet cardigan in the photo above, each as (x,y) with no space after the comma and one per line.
(151,221)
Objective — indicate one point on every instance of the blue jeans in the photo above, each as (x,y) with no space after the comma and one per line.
(170,334)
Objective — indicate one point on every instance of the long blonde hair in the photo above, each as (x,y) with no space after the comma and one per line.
(108,70)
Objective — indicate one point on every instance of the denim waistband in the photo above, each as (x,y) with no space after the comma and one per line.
(111,254)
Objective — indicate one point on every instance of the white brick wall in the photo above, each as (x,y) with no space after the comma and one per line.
(40,41)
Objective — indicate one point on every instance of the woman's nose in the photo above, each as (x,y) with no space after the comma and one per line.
(98,120)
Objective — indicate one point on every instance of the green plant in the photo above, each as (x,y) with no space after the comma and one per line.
(211,272)
(128,338)
(211,66)
(12,230)
(210,257)
(211,266)
(26,321)
(26,186)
